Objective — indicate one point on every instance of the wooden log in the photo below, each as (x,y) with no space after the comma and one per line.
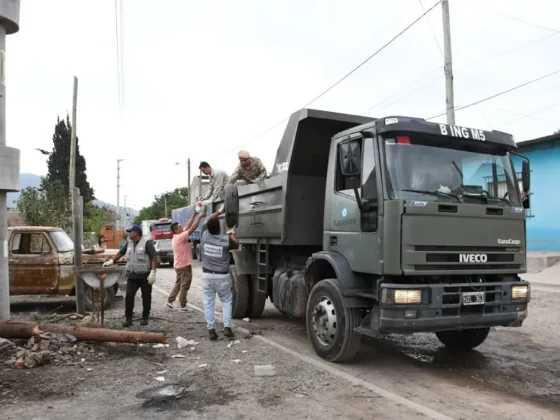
(25,329)
(19,329)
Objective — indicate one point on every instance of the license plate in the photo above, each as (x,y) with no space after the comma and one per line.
(474,298)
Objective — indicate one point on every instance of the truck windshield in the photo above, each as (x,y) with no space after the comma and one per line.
(62,241)
(438,169)
(162,227)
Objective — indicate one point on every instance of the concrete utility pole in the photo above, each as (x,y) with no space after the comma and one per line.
(9,157)
(448,66)
(125,217)
(188,180)
(118,192)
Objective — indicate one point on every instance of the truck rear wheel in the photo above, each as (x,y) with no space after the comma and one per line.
(257,300)
(463,339)
(240,292)
(330,324)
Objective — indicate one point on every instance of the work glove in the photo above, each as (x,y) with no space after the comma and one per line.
(108,263)
(232,230)
(152,277)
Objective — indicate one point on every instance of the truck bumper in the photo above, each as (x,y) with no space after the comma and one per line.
(446,307)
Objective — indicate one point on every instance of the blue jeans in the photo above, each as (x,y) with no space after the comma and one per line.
(212,285)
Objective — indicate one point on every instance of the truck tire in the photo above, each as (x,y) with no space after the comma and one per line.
(463,339)
(257,300)
(107,301)
(240,292)
(330,324)
(231,206)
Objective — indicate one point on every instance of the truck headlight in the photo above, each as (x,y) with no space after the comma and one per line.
(401,296)
(520,292)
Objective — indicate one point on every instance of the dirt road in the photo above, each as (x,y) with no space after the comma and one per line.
(514,375)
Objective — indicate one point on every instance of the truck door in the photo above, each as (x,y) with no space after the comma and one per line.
(33,264)
(352,233)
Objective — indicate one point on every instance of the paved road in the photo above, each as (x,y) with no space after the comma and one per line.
(514,375)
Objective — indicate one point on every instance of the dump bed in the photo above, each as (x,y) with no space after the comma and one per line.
(288,207)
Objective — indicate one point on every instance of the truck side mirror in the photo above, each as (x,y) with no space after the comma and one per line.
(526,176)
(350,155)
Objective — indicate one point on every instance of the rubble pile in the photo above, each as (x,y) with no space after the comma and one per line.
(59,348)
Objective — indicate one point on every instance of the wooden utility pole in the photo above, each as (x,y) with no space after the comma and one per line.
(448,67)
(77,208)
(72,168)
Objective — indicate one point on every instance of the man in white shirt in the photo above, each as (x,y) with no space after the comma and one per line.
(218,181)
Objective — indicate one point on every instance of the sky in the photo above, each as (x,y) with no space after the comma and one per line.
(202,80)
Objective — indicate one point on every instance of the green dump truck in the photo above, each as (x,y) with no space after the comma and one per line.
(391,225)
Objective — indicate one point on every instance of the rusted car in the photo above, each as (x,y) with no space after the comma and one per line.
(41,262)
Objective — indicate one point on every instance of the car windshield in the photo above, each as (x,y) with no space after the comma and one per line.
(62,241)
(438,169)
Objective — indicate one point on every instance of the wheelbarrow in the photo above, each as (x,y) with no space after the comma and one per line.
(102,281)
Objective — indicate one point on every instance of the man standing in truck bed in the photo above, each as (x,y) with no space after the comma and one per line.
(218,181)
(250,169)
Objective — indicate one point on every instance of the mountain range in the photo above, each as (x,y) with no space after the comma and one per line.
(32,180)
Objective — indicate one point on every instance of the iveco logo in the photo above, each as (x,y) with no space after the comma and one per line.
(473,258)
(509,241)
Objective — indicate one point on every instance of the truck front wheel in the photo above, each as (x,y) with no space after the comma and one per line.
(330,324)
(463,339)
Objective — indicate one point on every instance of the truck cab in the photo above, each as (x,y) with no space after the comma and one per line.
(390,225)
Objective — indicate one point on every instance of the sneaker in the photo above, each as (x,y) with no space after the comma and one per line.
(144,321)
(169,306)
(184,309)
(228,332)
(127,322)
(213,334)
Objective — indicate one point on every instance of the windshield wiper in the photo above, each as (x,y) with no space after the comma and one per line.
(436,193)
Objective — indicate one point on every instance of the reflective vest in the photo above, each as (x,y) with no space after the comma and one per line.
(138,260)
(215,252)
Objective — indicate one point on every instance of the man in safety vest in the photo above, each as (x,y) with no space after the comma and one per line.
(141,263)
(215,249)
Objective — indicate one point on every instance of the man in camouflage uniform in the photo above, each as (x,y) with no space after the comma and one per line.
(250,169)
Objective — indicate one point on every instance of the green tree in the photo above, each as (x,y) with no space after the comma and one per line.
(97,217)
(171,199)
(59,161)
(47,205)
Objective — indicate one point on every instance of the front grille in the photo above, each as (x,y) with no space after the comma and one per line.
(455,258)
(469,267)
(445,248)
(452,302)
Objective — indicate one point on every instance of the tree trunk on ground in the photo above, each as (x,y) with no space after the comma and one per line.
(25,329)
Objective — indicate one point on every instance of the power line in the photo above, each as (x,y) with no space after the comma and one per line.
(345,76)
(118,45)
(530,115)
(536,25)
(121,27)
(498,94)
(431,29)
(455,71)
